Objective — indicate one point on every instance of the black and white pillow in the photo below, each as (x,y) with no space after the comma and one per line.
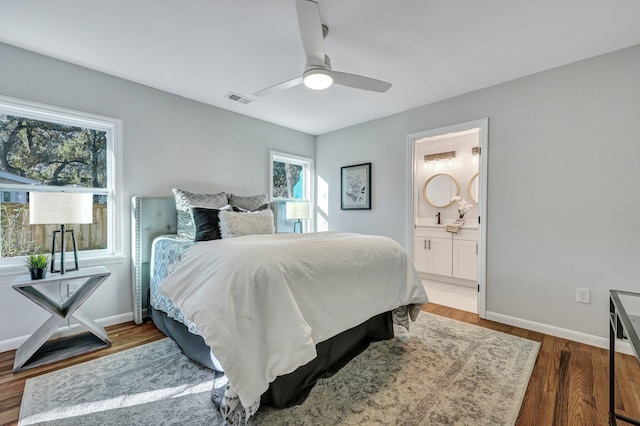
(186,200)
(207,223)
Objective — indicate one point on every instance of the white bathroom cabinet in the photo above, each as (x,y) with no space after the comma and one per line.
(439,252)
(465,258)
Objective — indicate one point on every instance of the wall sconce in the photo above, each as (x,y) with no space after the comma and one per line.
(440,156)
(475,152)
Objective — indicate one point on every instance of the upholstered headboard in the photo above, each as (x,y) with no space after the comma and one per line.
(151,217)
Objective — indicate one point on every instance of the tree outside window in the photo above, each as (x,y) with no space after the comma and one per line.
(291,179)
(287,180)
(37,155)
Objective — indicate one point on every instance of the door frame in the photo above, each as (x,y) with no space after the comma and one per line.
(412,206)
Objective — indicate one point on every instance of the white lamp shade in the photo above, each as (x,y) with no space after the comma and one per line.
(297,210)
(59,208)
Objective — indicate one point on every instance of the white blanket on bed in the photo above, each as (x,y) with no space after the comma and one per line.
(262,302)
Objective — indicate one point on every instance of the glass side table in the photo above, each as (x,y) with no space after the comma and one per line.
(38,349)
(624,323)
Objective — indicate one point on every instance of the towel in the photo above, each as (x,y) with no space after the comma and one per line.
(453,227)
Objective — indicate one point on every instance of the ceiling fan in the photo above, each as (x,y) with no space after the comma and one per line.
(318,74)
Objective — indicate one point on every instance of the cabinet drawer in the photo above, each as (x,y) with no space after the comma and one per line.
(466,234)
(429,232)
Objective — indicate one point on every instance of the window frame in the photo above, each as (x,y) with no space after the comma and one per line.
(309,185)
(113,190)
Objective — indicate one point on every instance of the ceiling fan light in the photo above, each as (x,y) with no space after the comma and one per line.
(317,79)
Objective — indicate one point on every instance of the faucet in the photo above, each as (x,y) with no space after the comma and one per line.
(438,216)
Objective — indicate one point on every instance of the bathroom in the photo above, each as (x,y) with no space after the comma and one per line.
(446,231)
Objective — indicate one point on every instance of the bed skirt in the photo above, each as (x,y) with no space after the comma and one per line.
(293,388)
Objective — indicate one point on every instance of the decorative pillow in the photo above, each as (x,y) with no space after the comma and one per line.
(207,223)
(250,203)
(241,210)
(234,224)
(185,200)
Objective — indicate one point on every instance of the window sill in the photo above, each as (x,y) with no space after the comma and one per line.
(19,269)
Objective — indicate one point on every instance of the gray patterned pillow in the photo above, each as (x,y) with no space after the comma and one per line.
(185,200)
(251,202)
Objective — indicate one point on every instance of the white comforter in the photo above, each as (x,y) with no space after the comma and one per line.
(262,302)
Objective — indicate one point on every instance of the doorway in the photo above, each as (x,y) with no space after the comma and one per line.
(447,212)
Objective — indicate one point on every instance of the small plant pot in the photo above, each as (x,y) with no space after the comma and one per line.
(38,273)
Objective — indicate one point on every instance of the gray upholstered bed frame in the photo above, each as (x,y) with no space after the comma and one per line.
(151,217)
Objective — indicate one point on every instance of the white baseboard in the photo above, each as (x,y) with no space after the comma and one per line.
(563,333)
(10,344)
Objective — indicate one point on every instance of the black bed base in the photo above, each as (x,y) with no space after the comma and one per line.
(293,388)
(333,354)
(191,344)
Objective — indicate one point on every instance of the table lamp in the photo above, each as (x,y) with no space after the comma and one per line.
(60,208)
(297,210)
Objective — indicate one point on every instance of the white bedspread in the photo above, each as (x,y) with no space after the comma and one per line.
(262,302)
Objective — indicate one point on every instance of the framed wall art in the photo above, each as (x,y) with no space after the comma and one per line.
(355,187)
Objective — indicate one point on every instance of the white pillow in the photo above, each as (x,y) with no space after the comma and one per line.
(233,224)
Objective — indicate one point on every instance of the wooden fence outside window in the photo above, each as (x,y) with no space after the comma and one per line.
(18,238)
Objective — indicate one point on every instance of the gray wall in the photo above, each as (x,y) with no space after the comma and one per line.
(562,184)
(168,141)
(563,176)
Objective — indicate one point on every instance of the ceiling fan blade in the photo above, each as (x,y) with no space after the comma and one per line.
(360,82)
(311,31)
(279,87)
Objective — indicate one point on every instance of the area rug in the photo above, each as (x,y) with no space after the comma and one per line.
(448,372)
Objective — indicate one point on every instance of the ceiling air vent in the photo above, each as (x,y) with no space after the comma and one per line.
(238,98)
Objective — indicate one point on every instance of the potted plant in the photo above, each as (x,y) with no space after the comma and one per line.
(463,207)
(37,264)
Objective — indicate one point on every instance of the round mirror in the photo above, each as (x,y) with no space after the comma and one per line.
(439,189)
(473,188)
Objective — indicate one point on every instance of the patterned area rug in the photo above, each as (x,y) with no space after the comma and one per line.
(448,372)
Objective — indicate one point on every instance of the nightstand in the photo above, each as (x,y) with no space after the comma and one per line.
(38,350)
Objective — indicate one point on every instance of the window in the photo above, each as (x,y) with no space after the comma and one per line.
(44,148)
(291,180)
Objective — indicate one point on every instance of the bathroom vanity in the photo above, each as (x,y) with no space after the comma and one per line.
(446,254)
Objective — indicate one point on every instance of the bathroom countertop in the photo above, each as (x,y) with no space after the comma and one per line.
(444,225)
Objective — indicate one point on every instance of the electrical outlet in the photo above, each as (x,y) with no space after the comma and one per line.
(583,295)
(72,288)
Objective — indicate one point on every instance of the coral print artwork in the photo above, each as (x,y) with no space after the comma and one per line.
(356,187)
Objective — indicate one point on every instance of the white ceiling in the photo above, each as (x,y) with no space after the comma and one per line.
(429,49)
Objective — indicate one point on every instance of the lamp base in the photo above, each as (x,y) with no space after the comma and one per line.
(297,222)
(63,232)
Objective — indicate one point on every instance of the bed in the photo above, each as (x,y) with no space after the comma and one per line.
(291,310)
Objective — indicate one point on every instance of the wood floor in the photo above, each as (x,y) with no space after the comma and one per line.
(569,384)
